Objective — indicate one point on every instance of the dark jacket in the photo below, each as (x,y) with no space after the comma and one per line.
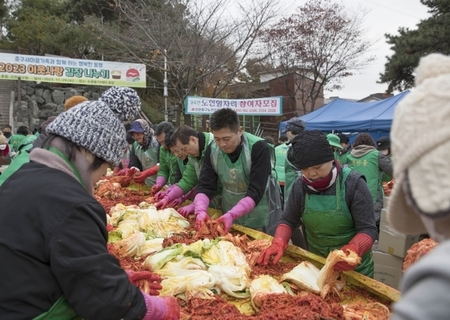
(53,244)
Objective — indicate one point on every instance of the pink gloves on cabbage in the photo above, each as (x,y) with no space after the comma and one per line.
(244,206)
(174,193)
(159,184)
(201,203)
(161,308)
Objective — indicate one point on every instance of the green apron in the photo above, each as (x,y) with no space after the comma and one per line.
(290,175)
(61,310)
(329,224)
(148,158)
(215,202)
(235,178)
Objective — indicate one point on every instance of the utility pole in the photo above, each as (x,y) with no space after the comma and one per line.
(166,113)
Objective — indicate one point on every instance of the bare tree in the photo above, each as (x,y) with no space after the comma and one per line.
(205,45)
(315,48)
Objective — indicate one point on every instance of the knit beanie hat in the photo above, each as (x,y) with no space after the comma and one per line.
(343,138)
(310,148)
(295,125)
(96,125)
(73,101)
(422,172)
(3,139)
(383,143)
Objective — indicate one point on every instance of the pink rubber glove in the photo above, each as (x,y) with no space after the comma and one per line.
(360,244)
(159,183)
(174,193)
(140,178)
(187,210)
(201,203)
(153,279)
(161,308)
(161,194)
(244,206)
(279,244)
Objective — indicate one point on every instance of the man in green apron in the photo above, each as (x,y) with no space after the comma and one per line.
(194,143)
(168,164)
(244,164)
(145,152)
(333,203)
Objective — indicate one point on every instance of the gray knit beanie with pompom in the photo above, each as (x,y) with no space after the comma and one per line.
(97,125)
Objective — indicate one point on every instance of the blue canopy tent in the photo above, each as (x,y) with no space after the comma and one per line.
(351,117)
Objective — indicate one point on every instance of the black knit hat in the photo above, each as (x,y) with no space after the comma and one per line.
(343,138)
(310,148)
(383,143)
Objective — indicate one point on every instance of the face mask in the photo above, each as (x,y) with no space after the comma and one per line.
(7,134)
(2,147)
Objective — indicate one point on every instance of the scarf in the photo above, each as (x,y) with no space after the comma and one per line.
(4,152)
(325,183)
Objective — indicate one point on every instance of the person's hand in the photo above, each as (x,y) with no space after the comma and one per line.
(200,219)
(140,178)
(176,202)
(161,308)
(116,170)
(277,248)
(153,279)
(159,195)
(345,266)
(187,210)
(227,221)
(154,190)
(162,204)
(359,244)
(172,308)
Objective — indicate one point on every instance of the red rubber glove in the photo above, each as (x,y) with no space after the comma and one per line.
(360,244)
(244,206)
(140,178)
(187,210)
(153,279)
(161,308)
(279,244)
(201,203)
(116,170)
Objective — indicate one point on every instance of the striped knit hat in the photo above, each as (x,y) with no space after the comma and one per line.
(97,125)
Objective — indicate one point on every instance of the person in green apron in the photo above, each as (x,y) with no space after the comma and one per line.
(168,164)
(333,203)
(335,144)
(194,143)
(145,152)
(245,166)
(293,127)
(55,243)
(367,160)
(344,141)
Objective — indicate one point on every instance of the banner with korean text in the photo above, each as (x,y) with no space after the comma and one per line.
(73,71)
(269,106)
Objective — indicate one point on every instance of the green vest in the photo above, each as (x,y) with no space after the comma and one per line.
(280,159)
(15,141)
(170,165)
(329,224)
(148,158)
(367,165)
(235,179)
(21,157)
(291,174)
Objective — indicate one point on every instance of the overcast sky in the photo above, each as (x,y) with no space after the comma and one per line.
(383,16)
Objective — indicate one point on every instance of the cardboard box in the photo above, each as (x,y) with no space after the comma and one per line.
(387,260)
(395,243)
(385,202)
(383,218)
(388,275)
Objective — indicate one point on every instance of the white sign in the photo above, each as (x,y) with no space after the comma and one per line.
(74,71)
(270,106)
